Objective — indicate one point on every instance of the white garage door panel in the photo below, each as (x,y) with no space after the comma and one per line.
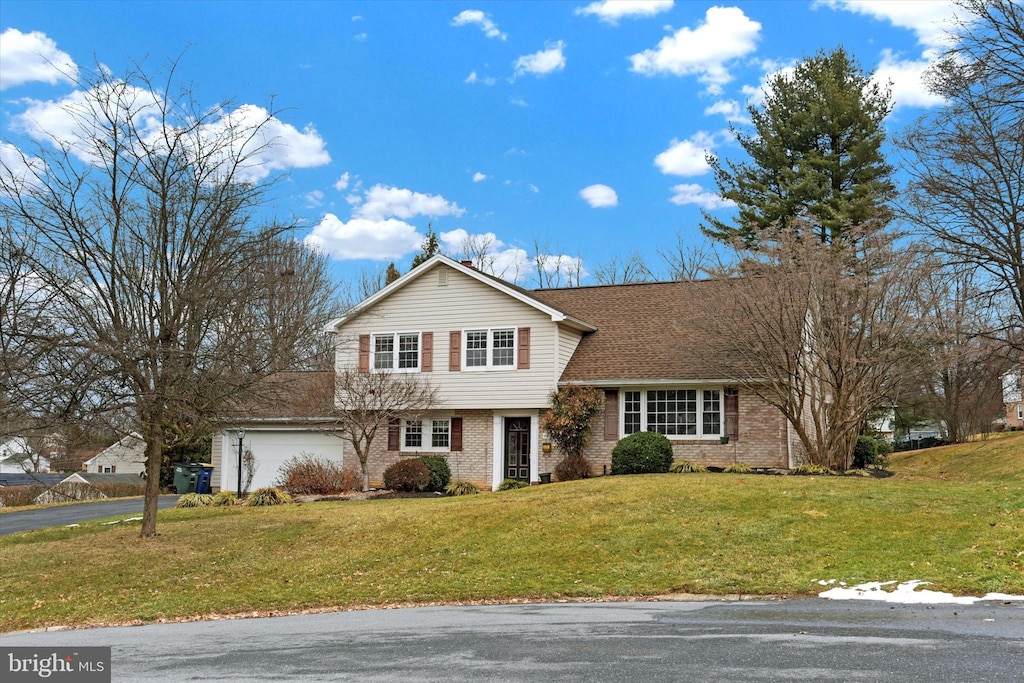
(273,448)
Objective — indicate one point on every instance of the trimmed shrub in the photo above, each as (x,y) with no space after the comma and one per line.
(811,468)
(440,472)
(642,453)
(686,467)
(738,468)
(308,475)
(884,449)
(268,495)
(571,468)
(510,484)
(225,499)
(16,496)
(410,474)
(864,452)
(194,500)
(121,490)
(461,488)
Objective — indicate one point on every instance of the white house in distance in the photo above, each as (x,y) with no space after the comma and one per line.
(125,456)
(17,456)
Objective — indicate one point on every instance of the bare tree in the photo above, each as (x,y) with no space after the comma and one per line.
(688,261)
(144,223)
(619,271)
(823,334)
(960,378)
(555,270)
(966,158)
(365,403)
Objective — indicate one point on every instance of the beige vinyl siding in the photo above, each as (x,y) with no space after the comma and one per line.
(568,340)
(216,454)
(424,305)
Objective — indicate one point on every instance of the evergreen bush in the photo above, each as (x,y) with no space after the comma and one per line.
(642,453)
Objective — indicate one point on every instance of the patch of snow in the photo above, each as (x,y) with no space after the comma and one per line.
(905,593)
(68,526)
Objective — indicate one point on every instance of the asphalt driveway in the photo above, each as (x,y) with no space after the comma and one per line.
(13,522)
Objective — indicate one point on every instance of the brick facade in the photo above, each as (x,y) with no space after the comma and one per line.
(761,442)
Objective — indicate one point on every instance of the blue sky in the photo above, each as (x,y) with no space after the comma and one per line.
(580,127)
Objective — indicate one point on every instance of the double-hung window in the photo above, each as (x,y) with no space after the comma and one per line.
(673,412)
(490,349)
(398,351)
(427,434)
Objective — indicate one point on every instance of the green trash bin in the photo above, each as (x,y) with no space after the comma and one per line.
(186,475)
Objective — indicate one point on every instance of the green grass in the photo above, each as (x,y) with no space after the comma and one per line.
(953,516)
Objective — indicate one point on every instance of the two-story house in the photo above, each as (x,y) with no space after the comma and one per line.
(495,352)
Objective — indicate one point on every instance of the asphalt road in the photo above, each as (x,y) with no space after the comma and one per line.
(13,522)
(805,639)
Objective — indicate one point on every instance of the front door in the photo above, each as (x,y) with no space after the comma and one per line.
(517,448)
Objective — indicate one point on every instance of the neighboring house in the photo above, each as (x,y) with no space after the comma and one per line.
(1013,405)
(17,456)
(83,486)
(280,421)
(126,456)
(31,479)
(495,352)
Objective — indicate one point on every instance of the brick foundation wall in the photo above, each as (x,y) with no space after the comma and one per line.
(761,443)
(472,463)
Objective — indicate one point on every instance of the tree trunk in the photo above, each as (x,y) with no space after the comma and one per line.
(154,458)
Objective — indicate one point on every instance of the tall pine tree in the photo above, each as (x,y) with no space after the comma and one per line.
(816,156)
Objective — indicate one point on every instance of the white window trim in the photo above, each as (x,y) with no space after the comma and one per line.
(427,433)
(1020,411)
(394,361)
(490,366)
(700,435)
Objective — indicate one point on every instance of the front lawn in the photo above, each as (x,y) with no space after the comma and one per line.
(942,519)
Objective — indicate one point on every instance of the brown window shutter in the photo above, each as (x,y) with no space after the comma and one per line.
(524,348)
(456,434)
(427,353)
(393,434)
(732,413)
(611,415)
(364,353)
(455,351)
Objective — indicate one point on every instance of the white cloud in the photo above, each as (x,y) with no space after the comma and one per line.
(475,16)
(354,199)
(928,20)
(314,198)
(18,171)
(610,11)
(533,188)
(904,78)
(692,193)
(479,177)
(474,78)
(600,196)
(726,34)
(362,238)
(392,202)
(360,37)
(543,62)
(33,57)
(518,101)
(341,184)
(687,157)
(74,122)
(730,109)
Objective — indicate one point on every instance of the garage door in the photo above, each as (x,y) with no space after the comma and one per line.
(271,449)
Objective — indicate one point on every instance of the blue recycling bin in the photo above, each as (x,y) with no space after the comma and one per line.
(203,479)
